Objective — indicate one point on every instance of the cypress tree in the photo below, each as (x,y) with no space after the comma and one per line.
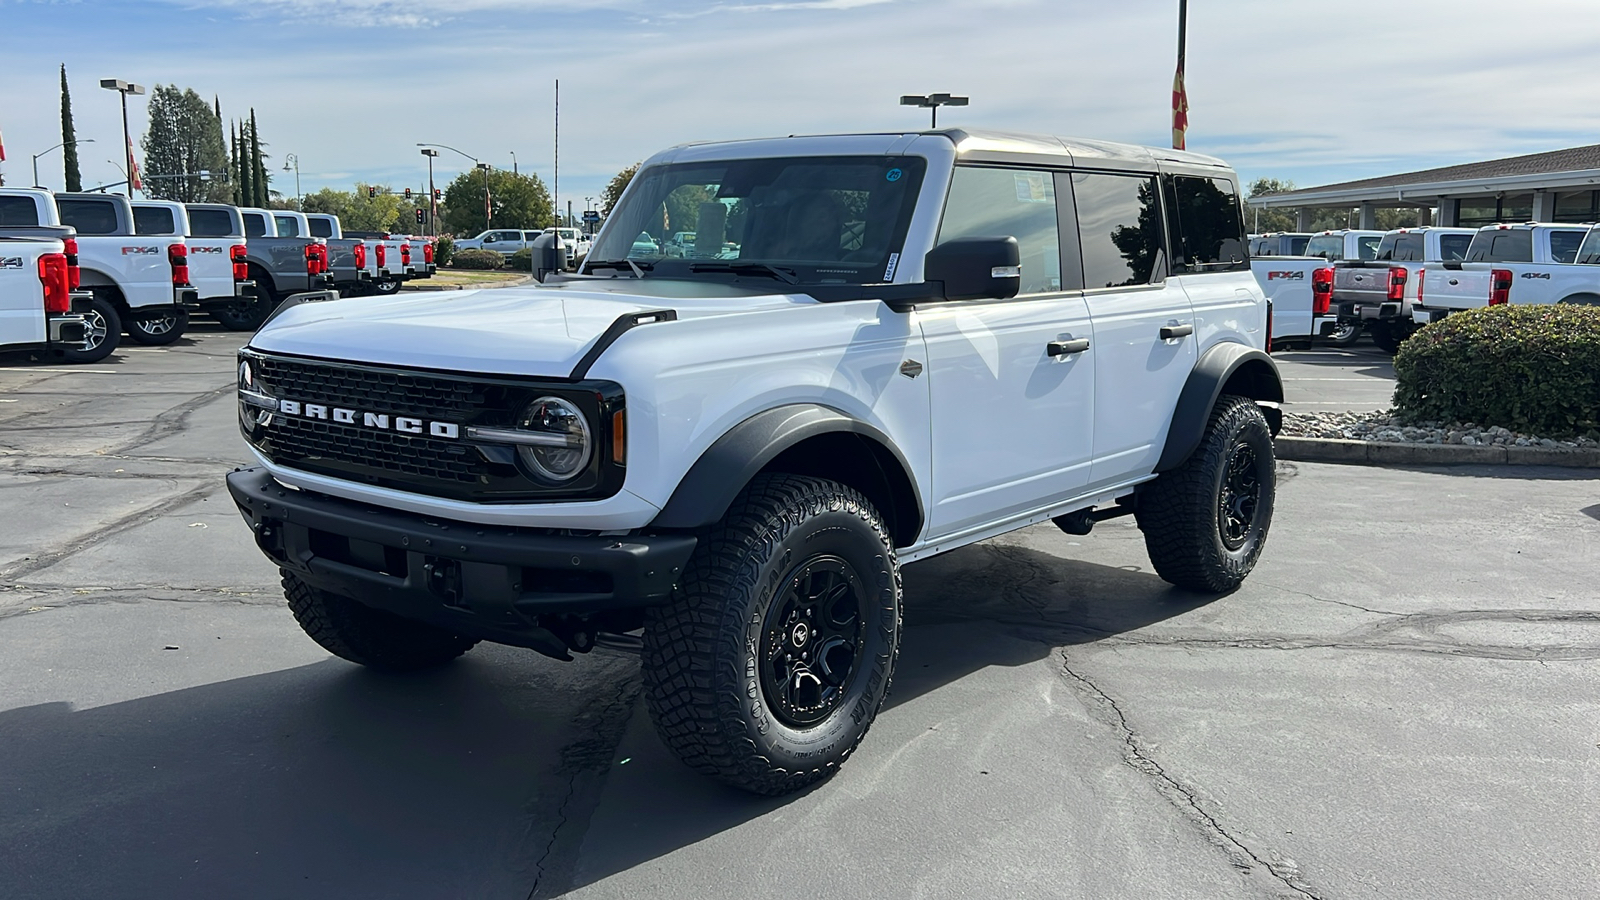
(247,193)
(69,137)
(258,177)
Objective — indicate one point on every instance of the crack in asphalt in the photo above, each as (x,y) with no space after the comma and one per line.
(1175,792)
(48,558)
(1299,593)
(173,420)
(589,756)
(39,598)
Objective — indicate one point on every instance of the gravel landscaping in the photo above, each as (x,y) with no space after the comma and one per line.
(1384,427)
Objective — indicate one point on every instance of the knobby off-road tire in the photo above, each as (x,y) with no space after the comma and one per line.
(103,335)
(158,332)
(1205,522)
(745,672)
(370,637)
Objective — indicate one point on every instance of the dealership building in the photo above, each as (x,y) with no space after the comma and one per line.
(1558,186)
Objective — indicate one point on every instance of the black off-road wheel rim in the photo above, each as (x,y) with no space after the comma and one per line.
(1239,499)
(813,640)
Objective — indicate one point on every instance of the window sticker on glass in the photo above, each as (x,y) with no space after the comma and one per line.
(1035,187)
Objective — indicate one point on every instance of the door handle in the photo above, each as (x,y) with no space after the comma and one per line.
(1169,332)
(1067,347)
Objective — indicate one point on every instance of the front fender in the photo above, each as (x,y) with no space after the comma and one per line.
(1231,367)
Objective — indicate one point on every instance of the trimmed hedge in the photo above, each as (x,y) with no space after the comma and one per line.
(477,259)
(521,261)
(1534,369)
(444,249)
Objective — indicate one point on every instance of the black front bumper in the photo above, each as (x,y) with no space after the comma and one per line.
(481,581)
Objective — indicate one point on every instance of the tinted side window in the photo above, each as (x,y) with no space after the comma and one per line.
(1119,229)
(89,216)
(288,226)
(255,225)
(210,223)
(18,211)
(1367,247)
(1454,246)
(1209,230)
(998,202)
(321,228)
(1408,248)
(1589,252)
(1297,246)
(1564,245)
(153,220)
(1329,247)
(1502,246)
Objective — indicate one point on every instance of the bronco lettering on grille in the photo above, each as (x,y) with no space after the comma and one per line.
(377,421)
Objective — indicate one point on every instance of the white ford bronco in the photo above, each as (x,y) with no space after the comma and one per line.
(879,348)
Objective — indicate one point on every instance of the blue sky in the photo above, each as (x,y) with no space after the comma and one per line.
(1313,92)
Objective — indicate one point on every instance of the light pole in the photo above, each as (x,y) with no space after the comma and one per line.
(932,102)
(513,162)
(124,88)
(433,205)
(291,158)
(482,165)
(488,211)
(47,150)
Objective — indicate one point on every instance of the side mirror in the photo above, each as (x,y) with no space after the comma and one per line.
(549,256)
(976,268)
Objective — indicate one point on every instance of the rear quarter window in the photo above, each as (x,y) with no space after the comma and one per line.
(1564,245)
(255,225)
(153,220)
(288,226)
(1330,247)
(1454,246)
(19,211)
(1367,246)
(89,216)
(1510,245)
(321,228)
(211,223)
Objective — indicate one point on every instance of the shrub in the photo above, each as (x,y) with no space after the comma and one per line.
(478,259)
(521,261)
(1534,369)
(444,249)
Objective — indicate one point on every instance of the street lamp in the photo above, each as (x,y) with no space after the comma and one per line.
(433,205)
(47,150)
(124,88)
(513,162)
(932,102)
(291,158)
(482,165)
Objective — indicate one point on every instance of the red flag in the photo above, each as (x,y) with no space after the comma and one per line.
(1180,110)
(134,182)
(2,148)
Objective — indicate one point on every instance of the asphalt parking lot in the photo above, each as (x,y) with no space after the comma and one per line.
(1401,702)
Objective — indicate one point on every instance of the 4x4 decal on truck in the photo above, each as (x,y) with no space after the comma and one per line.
(11,262)
(140,251)
(1286,276)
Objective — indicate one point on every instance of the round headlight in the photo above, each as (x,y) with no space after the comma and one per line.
(566,455)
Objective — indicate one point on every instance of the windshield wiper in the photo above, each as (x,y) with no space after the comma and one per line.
(787,276)
(621,265)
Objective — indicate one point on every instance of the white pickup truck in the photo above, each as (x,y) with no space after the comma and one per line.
(1379,294)
(1343,244)
(36,302)
(1290,285)
(1519,264)
(1279,243)
(143,281)
(217,266)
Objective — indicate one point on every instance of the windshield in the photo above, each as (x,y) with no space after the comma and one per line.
(829,220)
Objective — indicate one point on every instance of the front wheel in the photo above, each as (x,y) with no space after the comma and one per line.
(770,664)
(370,637)
(159,331)
(102,333)
(1205,522)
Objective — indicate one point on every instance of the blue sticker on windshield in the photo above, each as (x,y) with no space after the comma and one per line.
(893,174)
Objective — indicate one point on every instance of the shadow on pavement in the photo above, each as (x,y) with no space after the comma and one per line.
(331,781)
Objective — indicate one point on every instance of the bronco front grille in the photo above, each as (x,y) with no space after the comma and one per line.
(452,464)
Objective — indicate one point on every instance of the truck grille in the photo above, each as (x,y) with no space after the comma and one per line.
(400,393)
(306,441)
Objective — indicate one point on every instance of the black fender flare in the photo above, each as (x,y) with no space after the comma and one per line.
(706,491)
(1255,376)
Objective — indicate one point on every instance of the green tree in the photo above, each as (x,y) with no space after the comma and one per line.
(260,181)
(1261,221)
(185,158)
(358,212)
(69,152)
(519,201)
(243,191)
(613,191)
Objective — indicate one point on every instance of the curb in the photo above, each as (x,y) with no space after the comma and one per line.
(1375,453)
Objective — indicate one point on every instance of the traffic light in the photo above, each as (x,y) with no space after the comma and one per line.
(438,193)
(408,193)
(372,191)
(421,215)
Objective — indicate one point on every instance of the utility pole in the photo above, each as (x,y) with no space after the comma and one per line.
(555,188)
(433,205)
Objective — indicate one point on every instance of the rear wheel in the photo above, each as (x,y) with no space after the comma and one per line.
(1205,522)
(387,287)
(1343,335)
(102,333)
(767,669)
(159,331)
(370,637)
